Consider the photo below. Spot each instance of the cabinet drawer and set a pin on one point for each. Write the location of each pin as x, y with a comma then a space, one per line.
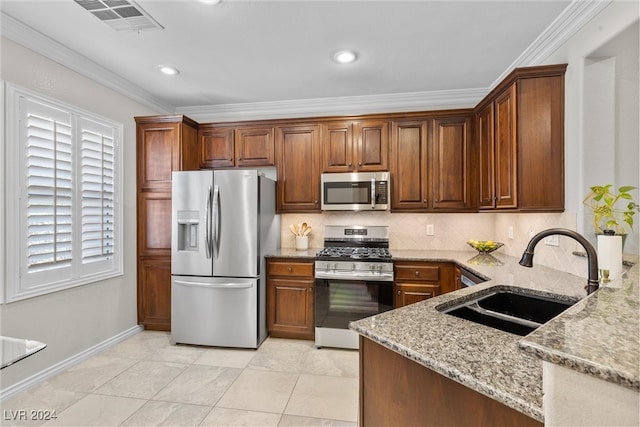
284, 268
418, 272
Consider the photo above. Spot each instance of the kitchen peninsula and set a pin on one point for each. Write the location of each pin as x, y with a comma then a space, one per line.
443, 370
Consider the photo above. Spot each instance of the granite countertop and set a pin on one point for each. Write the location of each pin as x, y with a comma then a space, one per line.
504, 366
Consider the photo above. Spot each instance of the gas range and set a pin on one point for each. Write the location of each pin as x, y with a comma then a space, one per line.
348, 253
355, 253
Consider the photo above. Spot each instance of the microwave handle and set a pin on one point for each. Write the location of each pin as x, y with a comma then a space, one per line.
373, 193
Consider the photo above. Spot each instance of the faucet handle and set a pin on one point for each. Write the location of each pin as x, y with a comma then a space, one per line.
604, 272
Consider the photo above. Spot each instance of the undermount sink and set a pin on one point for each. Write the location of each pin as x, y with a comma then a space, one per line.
509, 310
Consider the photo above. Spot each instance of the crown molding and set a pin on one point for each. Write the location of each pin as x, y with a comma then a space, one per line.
575, 16
337, 106
26, 36
572, 19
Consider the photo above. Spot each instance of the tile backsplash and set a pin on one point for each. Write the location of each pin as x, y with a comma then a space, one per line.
451, 232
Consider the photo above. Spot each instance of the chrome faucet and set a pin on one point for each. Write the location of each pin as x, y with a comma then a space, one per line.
592, 257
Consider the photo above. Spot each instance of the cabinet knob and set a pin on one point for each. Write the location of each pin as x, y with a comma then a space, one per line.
315, 201
417, 273
350, 164
359, 163
399, 292
424, 200
289, 269
310, 289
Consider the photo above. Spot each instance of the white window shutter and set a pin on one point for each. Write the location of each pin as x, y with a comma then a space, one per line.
63, 196
49, 192
97, 191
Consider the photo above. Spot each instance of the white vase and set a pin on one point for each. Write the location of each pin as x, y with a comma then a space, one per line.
302, 243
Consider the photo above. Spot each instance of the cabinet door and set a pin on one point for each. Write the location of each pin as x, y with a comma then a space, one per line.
254, 147
291, 308
372, 145
505, 146
154, 224
298, 151
216, 148
337, 142
158, 154
451, 167
154, 293
409, 293
541, 144
484, 129
409, 179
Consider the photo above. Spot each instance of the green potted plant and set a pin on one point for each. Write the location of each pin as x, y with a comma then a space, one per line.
612, 210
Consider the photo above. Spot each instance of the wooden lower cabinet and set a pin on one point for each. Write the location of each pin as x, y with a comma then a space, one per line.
416, 281
396, 391
290, 299
154, 293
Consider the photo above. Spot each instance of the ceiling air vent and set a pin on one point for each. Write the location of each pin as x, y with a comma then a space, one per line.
121, 15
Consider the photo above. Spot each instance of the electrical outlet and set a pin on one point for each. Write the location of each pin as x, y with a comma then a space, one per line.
430, 230
510, 232
552, 240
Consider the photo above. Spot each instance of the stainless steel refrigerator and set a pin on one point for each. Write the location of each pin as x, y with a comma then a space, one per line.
223, 223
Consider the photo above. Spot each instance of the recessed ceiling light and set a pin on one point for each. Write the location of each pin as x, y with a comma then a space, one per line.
168, 70
211, 2
344, 56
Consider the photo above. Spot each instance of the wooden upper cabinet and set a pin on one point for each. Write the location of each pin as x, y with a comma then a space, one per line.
409, 178
372, 145
433, 165
541, 143
216, 148
255, 147
505, 147
164, 144
225, 147
299, 163
497, 146
520, 128
355, 146
484, 129
337, 142
453, 167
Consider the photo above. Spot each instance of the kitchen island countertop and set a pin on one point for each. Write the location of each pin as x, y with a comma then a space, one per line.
504, 366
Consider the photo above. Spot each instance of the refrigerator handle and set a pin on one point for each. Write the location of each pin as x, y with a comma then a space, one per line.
207, 225
216, 225
236, 285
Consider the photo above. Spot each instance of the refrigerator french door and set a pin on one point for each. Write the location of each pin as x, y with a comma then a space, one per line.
222, 224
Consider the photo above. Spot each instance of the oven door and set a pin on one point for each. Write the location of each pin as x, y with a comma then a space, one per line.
340, 301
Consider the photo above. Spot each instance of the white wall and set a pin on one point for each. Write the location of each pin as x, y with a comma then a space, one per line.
601, 128
74, 320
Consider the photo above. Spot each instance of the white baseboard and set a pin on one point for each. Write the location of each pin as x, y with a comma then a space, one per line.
53, 370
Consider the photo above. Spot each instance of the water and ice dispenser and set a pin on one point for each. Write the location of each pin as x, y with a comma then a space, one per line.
188, 229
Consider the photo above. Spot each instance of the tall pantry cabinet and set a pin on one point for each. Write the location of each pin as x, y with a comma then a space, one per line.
164, 144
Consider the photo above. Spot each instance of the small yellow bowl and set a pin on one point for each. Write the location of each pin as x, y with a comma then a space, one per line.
485, 246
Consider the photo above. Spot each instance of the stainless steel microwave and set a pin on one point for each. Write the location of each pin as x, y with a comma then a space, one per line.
357, 191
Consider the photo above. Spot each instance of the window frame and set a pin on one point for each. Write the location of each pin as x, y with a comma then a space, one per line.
19, 284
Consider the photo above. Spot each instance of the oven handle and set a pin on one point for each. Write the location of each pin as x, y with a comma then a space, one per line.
339, 276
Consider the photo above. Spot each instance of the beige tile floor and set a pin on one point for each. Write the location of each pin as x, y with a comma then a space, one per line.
146, 381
